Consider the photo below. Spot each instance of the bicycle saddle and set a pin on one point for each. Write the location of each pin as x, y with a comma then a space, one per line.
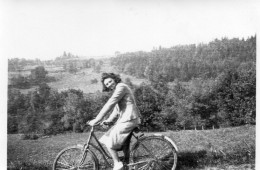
136, 130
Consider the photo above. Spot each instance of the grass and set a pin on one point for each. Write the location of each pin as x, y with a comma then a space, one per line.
220, 148
229, 146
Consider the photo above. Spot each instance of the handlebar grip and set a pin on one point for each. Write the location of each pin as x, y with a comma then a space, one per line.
87, 123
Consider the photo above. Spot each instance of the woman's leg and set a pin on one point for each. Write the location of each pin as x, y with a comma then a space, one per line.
118, 165
113, 154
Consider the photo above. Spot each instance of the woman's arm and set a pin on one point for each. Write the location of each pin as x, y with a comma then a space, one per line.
113, 115
113, 100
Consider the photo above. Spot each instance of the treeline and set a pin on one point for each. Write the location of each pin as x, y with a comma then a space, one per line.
228, 100
186, 62
37, 76
47, 111
70, 63
16, 64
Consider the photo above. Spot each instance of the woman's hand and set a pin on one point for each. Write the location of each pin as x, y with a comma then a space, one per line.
92, 122
106, 123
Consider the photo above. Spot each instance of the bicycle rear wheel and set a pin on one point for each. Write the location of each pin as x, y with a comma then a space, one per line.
74, 158
154, 153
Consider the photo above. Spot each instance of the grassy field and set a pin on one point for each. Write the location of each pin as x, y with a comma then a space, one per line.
229, 148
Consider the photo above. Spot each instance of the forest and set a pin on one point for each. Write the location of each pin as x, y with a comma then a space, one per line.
201, 86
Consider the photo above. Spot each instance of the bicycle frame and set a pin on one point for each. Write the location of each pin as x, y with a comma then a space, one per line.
99, 148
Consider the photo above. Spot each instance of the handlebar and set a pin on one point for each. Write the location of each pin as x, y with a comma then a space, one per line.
108, 123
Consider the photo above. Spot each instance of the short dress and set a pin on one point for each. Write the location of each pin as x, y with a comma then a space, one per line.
123, 103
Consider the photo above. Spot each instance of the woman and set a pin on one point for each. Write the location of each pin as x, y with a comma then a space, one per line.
122, 105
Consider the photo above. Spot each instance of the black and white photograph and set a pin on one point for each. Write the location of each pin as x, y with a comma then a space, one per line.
129, 85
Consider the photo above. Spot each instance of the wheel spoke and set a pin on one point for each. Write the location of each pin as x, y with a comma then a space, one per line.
86, 165
149, 152
66, 165
158, 152
142, 168
163, 165
74, 158
61, 169
149, 166
66, 162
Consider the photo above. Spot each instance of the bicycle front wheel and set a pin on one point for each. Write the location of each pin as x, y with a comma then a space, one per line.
75, 158
154, 153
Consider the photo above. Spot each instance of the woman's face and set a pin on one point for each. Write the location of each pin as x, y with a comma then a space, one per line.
110, 83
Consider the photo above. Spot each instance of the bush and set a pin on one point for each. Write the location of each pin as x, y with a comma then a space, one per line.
77, 127
12, 125
30, 136
21, 82
94, 81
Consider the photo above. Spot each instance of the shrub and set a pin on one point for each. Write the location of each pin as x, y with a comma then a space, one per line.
30, 136
94, 81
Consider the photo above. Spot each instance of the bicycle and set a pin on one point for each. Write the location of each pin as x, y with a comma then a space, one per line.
155, 152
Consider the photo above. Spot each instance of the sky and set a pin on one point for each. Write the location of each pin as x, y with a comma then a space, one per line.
44, 29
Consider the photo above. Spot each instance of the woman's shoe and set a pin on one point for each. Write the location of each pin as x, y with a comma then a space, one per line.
118, 166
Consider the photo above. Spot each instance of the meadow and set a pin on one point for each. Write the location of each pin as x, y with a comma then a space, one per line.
226, 148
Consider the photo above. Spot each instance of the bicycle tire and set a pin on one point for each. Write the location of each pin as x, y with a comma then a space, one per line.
74, 158
154, 153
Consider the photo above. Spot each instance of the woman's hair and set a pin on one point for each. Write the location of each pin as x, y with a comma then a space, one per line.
104, 76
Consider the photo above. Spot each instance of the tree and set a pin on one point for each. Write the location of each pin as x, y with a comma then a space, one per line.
149, 103
129, 82
75, 108
39, 74
72, 67
160, 84
236, 95
65, 66
177, 107
94, 81
64, 54
13, 64
97, 68
21, 82
16, 107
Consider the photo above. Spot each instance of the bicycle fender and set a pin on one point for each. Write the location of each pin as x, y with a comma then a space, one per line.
168, 139
79, 145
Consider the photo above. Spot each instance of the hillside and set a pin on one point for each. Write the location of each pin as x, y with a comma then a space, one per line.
82, 80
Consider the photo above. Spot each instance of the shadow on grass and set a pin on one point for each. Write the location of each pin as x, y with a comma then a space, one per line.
200, 159
29, 166
191, 159
186, 160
